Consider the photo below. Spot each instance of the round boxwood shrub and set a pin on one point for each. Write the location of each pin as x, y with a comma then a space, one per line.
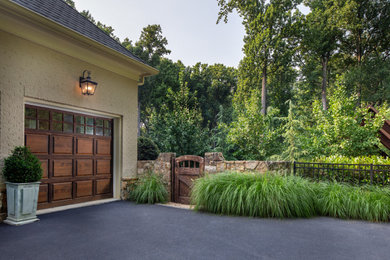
147, 149
22, 166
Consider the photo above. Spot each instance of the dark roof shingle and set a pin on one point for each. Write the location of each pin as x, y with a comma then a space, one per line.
63, 14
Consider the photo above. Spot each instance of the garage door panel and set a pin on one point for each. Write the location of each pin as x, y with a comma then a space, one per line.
62, 144
43, 193
62, 191
38, 144
103, 167
76, 166
84, 188
45, 168
62, 168
103, 186
84, 146
103, 147
84, 167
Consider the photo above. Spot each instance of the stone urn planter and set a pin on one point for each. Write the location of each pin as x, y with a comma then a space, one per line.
22, 201
22, 171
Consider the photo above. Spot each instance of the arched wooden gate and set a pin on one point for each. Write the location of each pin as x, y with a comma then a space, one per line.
187, 169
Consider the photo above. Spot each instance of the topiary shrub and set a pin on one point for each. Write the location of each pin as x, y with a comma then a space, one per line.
149, 189
147, 149
22, 166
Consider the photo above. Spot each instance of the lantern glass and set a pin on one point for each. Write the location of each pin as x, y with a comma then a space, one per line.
87, 86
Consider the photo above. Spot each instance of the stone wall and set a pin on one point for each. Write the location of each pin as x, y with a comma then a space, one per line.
215, 162
162, 165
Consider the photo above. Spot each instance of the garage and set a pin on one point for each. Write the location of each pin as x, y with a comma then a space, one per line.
75, 150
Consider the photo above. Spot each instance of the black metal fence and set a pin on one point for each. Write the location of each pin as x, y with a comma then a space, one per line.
357, 174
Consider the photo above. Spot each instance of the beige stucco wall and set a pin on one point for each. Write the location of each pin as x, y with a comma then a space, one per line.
29, 71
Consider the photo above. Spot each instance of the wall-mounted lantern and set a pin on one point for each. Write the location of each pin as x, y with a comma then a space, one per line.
87, 86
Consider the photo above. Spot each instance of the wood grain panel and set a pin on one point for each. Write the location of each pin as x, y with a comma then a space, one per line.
45, 168
39, 144
43, 193
62, 168
62, 191
103, 147
84, 188
63, 145
84, 167
84, 146
103, 186
103, 167
76, 167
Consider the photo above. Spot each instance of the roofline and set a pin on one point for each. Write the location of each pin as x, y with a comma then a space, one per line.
144, 69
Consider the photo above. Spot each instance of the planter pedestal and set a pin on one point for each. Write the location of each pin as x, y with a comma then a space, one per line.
22, 201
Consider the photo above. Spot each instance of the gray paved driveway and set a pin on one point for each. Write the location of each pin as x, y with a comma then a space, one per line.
123, 230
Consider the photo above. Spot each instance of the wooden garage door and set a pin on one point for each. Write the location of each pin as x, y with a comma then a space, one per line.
76, 155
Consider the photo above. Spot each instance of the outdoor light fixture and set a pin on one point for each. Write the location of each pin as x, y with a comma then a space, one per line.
87, 86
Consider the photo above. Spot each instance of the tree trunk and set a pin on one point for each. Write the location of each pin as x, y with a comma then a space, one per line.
264, 91
359, 54
324, 61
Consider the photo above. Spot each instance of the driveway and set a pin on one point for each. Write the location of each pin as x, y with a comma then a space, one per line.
123, 230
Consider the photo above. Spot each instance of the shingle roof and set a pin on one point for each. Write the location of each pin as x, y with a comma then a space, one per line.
63, 14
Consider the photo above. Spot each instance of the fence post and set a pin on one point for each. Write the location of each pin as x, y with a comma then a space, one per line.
371, 174
294, 168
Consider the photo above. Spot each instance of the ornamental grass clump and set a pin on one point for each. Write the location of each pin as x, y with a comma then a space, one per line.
255, 195
150, 188
345, 201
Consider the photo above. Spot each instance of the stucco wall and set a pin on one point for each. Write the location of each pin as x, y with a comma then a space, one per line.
30, 71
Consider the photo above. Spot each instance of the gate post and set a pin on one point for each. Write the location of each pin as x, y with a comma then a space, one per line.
173, 159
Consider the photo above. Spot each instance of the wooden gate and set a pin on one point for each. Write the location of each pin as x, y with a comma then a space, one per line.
187, 169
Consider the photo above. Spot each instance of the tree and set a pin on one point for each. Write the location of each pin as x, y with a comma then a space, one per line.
179, 129
70, 3
320, 39
254, 135
105, 28
151, 45
366, 29
269, 41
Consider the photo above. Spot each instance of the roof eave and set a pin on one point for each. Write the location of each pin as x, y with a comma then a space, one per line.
144, 69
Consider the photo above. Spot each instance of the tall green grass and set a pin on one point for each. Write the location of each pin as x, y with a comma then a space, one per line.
350, 202
276, 196
149, 189
254, 195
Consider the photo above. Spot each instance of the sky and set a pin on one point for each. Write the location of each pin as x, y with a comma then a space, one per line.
189, 26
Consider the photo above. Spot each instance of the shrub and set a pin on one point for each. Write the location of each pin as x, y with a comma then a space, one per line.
22, 166
254, 195
358, 175
149, 189
353, 160
147, 149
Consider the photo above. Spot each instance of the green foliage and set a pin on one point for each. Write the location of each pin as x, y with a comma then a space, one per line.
248, 194
105, 28
339, 130
353, 160
270, 39
147, 149
70, 3
22, 166
270, 195
344, 201
256, 136
179, 128
149, 189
